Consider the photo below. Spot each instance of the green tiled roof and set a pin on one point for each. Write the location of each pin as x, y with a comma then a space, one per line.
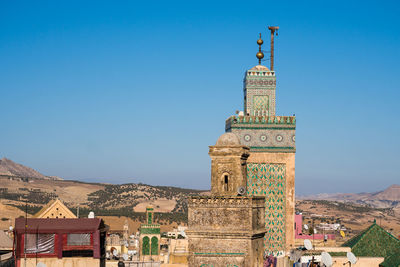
376, 242
393, 260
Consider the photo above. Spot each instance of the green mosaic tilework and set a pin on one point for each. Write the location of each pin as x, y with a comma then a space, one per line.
260, 102
146, 245
154, 245
269, 180
149, 230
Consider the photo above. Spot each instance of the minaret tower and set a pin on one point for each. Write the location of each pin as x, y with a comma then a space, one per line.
259, 88
271, 162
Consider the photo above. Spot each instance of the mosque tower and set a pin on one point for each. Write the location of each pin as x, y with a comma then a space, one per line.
270, 166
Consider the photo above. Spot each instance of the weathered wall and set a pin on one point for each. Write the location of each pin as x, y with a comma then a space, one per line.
226, 230
64, 262
229, 161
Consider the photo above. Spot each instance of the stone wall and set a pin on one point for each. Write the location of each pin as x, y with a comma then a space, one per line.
226, 231
228, 162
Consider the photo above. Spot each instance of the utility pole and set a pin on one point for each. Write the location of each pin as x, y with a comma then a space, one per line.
26, 226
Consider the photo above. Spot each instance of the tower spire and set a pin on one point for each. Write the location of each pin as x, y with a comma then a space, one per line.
259, 54
273, 29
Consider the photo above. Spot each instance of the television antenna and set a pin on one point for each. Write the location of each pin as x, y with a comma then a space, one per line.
326, 259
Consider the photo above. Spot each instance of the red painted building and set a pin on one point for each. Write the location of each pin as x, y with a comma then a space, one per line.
58, 241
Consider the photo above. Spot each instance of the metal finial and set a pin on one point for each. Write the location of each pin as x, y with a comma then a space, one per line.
260, 54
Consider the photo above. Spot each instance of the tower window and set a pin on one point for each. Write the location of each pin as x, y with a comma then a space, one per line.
226, 178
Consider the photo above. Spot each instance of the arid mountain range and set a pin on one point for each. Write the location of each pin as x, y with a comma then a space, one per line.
10, 168
388, 198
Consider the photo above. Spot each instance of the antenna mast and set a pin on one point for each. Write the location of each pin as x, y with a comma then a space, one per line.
273, 29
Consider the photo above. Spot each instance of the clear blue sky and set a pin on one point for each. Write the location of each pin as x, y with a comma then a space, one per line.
136, 91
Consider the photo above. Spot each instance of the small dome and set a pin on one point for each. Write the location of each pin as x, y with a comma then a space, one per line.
259, 67
228, 139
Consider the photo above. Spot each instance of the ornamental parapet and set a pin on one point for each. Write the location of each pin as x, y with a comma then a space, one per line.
150, 229
224, 215
154, 225
260, 121
222, 201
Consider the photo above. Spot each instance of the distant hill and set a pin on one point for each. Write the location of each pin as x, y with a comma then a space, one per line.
10, 168
20, 185
388, 198
391, 193
103, 199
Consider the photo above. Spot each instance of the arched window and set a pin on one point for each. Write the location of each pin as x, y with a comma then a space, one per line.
226, 182
154, 245
146, 245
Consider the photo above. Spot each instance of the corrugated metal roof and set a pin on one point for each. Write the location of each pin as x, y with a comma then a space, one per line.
36, 225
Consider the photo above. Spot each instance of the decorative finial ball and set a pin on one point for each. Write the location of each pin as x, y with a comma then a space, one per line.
260, 55
260, 41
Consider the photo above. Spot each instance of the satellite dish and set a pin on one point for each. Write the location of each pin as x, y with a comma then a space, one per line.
91, 215
315, 231
183, 233
342, 233
241, 190
40, 264
351, 257
115, 252
11, 228
307, 244
326, 259
125, 257
306, 226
